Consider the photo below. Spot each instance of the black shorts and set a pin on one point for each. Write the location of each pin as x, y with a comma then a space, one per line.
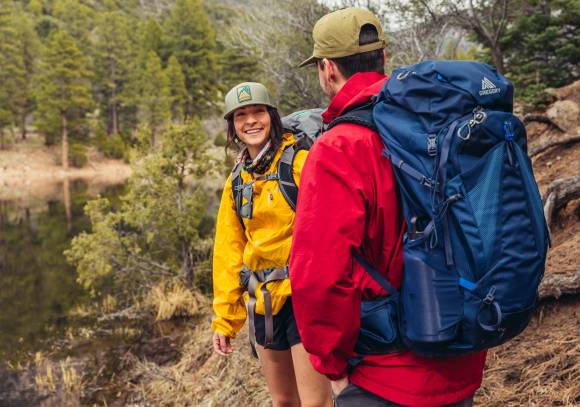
285, 330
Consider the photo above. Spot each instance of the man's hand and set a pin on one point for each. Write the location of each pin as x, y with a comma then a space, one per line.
339, 385
221, 344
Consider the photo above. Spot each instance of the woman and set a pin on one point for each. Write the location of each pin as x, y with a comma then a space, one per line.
252, 246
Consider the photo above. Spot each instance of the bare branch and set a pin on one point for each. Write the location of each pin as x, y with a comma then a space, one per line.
567, 139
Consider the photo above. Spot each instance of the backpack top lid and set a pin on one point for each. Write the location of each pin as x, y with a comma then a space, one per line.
440, 92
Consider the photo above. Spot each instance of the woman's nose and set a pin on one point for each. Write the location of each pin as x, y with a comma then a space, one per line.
250, 119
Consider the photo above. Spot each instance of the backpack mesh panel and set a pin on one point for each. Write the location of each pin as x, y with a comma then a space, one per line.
484, 198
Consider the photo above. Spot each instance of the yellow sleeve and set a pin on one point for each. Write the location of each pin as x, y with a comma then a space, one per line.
298, 165
230, 240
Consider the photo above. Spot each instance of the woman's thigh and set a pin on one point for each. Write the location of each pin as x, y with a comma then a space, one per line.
313, 387
278, 370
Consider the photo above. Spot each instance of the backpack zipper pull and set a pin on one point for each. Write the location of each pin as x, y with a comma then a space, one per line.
509, 138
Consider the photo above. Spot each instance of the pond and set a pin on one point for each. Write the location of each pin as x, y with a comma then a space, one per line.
37, 285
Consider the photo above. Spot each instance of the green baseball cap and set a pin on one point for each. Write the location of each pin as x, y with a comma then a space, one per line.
247, 93
336, 34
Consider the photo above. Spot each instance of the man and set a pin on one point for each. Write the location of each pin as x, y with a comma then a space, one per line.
348, 203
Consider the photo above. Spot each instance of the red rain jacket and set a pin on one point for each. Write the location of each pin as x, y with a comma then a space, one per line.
348, 201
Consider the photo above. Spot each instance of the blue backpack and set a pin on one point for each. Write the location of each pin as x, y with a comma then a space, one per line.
476, 241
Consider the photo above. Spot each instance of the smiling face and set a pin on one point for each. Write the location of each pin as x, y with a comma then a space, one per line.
252, 124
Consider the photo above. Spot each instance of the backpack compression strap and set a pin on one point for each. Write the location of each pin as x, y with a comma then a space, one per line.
237, 184
286, 181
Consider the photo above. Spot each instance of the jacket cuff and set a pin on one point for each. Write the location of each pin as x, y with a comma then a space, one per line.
221, 327
325, 369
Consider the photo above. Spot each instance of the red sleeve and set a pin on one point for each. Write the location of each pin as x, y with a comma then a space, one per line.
330, 222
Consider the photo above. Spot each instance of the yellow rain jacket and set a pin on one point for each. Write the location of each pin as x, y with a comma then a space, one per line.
264, 243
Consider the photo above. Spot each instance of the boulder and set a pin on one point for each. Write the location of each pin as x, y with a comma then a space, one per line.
565, 114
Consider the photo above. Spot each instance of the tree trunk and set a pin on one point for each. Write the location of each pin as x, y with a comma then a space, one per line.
2, 141
186, 265
67, 203
64, 143
23, 126
559, 193
497, 55
114, 113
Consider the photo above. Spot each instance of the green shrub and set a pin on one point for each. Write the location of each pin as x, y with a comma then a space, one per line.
112, 146
220, 140
77, 155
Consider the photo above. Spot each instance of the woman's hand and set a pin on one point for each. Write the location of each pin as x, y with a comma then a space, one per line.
221, 344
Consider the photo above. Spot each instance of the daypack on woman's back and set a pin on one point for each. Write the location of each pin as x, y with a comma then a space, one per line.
476, 245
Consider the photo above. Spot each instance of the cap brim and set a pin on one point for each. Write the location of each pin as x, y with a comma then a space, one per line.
309, 61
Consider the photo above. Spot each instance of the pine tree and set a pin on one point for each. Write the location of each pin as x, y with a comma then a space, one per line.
154, 101
177, 90
11, 67
63, 86
115, 60
77, 20
543, 48
28, 48
191, 38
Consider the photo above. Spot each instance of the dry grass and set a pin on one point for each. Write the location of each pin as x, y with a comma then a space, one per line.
539, 368
173, 299
58, 381
202, 378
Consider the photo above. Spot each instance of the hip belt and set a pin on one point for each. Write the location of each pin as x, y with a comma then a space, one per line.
250, 279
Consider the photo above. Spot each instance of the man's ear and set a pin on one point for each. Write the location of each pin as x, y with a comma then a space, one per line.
329, 70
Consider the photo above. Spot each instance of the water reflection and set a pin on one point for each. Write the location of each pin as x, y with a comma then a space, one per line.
37, 286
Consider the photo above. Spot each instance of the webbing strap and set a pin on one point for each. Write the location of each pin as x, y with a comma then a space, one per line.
442, 173
286, 182
406, 168
251, 280
382, 281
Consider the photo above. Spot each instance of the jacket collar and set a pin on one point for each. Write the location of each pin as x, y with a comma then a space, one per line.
358, 89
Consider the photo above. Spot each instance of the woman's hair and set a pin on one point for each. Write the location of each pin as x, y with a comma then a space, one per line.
276, 130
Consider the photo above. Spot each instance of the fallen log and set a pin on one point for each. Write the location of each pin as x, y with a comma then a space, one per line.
567, 139
541, 118
559, 193
554, 285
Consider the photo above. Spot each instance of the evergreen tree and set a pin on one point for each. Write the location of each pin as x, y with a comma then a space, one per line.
177, 90
11, 67
28, 48
151, 38
154, 100
77, 20
191, 38
543, 48
114, 63
63, 86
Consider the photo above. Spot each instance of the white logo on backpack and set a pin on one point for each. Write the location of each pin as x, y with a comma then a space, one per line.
488, 87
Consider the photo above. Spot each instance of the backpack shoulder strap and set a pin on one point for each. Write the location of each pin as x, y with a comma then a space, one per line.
361, 115
286, 181
237, 183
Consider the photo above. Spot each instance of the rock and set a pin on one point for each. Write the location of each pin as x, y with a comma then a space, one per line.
565, 114
570, 92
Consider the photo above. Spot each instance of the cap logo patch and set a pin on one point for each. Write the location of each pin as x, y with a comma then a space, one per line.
244, 93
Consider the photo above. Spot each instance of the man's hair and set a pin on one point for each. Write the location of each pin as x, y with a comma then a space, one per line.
372, 61
276, 131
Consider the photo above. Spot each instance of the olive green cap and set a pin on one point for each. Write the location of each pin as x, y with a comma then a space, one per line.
246, 93
336, 34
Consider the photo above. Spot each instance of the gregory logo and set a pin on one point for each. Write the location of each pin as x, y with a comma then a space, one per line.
244, 93
488, 87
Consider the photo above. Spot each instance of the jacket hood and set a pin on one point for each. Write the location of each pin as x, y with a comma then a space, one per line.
358, 89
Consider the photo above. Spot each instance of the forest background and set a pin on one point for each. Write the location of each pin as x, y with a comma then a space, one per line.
143, 81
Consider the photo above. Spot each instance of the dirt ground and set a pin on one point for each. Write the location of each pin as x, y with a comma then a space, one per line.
28, 170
